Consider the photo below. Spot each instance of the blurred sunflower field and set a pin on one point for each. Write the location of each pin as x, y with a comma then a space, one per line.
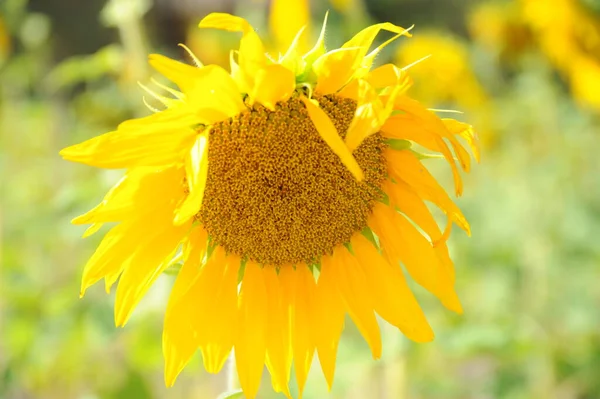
525, 73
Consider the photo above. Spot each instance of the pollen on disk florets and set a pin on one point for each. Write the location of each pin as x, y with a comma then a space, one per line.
275, 192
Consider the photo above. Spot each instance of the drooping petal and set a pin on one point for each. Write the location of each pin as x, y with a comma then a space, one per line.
151, 141
402, 241
409, 203
329, 315
196, 171
279, 348
222, 317
179, 332
404, 166
393, 299
350, 282
465, 131
299, 285
194, 249
329, 134
426, 122
202, 311
250, 342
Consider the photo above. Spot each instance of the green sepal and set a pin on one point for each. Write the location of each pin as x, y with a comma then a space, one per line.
421, 155
398, 144
173, 270
315, 266
241, 270
348, 246
369, 235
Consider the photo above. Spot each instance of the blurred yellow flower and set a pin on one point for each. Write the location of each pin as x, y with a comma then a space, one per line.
569, 35
500, 26
286, 19
271, 178
447, 75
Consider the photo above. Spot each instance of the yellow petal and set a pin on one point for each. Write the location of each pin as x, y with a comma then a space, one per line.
366, 120
350, 281
404, 166
92, 229
405, 127
207, 88
221, 319
394, 300
194, 250
146, 263
401, 240
372, 112
279, 353
251, 53
426, 122
335, 68
273, 83
367, 62
300, 285
286, 18
329, 316
179, 337
329, 134
196, 170
466, 132
183, 75
202, 312
365, 37
148, 142
364, 124
250, 343
388, 75
130, 195
409, 203
108, 257
218, 92
363, 41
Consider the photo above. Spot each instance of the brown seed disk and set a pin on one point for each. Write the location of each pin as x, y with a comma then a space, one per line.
276, 194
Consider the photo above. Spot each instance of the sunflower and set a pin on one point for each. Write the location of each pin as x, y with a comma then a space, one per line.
289, 191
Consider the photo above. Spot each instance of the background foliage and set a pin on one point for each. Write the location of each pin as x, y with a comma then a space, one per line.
525, 72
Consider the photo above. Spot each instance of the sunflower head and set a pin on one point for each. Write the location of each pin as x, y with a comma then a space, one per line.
289, 190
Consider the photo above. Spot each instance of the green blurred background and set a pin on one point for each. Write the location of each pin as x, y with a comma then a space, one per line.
526, 73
